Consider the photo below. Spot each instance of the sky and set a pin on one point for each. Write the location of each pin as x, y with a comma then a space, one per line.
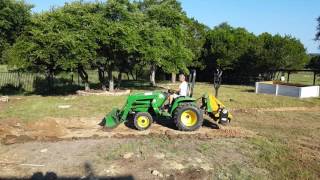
286, 17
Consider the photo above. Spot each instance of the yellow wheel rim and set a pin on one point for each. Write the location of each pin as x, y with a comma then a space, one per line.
189, 118
143, 121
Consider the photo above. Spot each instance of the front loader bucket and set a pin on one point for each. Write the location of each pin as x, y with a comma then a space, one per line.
112, 119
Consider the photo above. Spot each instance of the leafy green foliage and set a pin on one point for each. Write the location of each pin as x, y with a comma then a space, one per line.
314, 63
14, 16
166, 43
318, 30
225, 45
242, 54
124, 36
281, 52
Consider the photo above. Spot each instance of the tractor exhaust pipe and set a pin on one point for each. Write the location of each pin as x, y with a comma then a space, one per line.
192, 81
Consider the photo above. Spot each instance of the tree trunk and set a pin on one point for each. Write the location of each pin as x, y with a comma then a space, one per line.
102, 78
50, 79
72, 78
131, 73
173, 77
136, 75
119, 78
84, 77
153, 75
111, 82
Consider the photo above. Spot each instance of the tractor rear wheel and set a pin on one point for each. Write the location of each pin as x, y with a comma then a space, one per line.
142, 121
188, 117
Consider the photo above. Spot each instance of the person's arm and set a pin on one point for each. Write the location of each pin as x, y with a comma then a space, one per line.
179, 89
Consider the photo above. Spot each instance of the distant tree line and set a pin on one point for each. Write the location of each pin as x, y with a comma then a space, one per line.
315, 59
133, 37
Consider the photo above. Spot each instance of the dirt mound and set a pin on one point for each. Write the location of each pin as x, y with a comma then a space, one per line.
48, 128
14, 131
10, 127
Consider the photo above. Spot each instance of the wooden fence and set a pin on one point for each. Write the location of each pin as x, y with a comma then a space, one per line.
20, 80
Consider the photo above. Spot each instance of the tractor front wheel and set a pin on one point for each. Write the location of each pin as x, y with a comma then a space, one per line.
142, 121
188, 118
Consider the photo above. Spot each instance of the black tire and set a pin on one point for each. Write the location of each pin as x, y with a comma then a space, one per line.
143, 124
189, 109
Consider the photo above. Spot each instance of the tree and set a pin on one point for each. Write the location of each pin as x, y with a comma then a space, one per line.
195, 41
224, 47
78, 22
169, 23
314, 63
14, 17
318, 31
57, 40
118, 44
280, 52
38, 49
243, 56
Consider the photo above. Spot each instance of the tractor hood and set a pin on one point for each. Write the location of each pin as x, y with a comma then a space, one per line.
147, 95
154, 93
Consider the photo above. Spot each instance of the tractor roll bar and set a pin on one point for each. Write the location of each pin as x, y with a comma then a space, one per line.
192, 81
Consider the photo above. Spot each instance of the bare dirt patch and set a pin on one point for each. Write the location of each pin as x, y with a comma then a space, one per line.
102, 158
13, 131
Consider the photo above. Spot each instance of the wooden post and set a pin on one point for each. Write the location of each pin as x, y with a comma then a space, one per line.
288, 79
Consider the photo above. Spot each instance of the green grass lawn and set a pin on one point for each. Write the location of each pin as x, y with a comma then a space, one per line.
305, 78
39, 107
287, 143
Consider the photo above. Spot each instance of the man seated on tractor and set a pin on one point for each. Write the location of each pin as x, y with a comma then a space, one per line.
182, 91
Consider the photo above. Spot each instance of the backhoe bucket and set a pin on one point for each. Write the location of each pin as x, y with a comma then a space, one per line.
112, 119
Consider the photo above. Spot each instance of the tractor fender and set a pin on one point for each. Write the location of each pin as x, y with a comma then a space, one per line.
179, 101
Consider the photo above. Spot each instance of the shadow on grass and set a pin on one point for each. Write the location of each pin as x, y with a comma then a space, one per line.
89, 174
10, 89
169, 123
249, 90
210, 124
166, 122
64, 87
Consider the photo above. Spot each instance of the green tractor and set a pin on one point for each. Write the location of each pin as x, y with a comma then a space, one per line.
142, 108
